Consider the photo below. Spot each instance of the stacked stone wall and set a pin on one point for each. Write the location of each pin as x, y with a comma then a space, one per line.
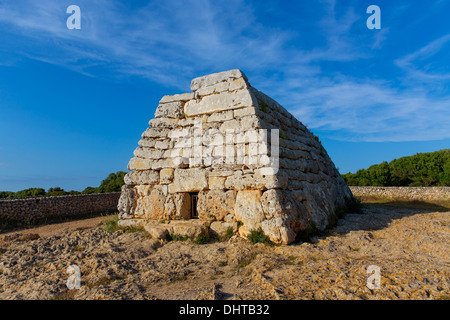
40, 209
403, 193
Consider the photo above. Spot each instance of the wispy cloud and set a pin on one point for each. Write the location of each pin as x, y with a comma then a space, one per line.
170, 42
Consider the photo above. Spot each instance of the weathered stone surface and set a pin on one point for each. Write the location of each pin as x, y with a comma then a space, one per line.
170, 110
148, 177
131, 223
255, 181
189, 229
212, 79
177, 97
285, 215
215, 204
140, 164
166, 175
127, 202
249, 211
157, 230
151, 206
189, 180
219, 102
178, 206
220, 228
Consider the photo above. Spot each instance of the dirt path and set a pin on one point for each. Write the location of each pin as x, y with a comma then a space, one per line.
58, 228
410, 248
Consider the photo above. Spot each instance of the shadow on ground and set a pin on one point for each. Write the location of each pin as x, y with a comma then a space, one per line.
376, 216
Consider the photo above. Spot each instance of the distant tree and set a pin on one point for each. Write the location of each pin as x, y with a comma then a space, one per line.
56, 191
31, 192
89, 190
422, 169
113, 183
6, 194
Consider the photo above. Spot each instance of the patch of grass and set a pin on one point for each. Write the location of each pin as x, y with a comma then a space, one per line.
223, 263
179, 278
202, 239
174, 237
305, 235
66, 295
245, 262
133, 229
111, 225
240, 224
290, 260
78, 249
258, 236
229, 233
353, 204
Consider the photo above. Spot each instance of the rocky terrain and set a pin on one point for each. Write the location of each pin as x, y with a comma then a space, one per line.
411, 248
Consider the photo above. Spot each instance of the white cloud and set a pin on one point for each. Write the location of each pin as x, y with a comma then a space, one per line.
171, 41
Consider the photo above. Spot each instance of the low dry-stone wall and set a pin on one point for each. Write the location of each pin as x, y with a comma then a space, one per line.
404, 193
33, 210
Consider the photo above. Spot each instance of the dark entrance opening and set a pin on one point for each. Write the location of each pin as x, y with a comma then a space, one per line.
194, 200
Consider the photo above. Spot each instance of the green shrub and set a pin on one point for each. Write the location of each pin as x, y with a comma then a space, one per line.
202, 239
258, 236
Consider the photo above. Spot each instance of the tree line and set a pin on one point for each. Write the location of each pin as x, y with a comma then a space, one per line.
421, 169
112, 183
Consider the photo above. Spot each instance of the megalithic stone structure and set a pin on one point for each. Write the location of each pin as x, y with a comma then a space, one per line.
228, 156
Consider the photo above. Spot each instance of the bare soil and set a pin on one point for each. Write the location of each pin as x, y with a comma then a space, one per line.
409, 245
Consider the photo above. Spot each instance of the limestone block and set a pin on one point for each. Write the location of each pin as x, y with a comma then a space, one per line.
255, 181
140, 164
212, 79
178, 206
251, 122
237, 84
220, 228
278, 231
219, 102
170, 110
166, 175
281, 203
147, 177
148, 153
189, 180
155, 133
215, 204
187, 229
163, 123
127, 202
163, 144
177, 97
249, 211
147, 143
151, 206
157, 230
221, 116
226, 126
215, 182
131, 223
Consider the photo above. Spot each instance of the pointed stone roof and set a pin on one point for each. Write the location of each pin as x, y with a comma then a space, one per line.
244, 160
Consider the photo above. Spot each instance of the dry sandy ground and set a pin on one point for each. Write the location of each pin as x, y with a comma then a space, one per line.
410, 247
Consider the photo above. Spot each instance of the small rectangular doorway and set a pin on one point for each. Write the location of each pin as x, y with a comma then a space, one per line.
194, 200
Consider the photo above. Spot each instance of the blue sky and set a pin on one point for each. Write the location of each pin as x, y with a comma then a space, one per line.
73, 103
